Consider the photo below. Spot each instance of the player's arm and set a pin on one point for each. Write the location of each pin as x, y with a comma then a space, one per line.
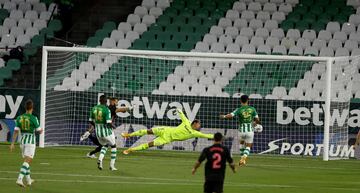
198, 162
203, 135
123, 109
230, 160
108, 119
257, 123
15, 134
357, 142
230, 115
38, 129
182, 115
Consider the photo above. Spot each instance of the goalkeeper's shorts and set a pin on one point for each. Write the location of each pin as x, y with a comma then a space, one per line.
163, 136
108, 140
248, 137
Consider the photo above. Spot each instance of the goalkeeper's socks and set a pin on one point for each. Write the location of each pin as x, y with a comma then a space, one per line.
113, 157
23, 170
140, 147
247, 151
141, 132
102, 153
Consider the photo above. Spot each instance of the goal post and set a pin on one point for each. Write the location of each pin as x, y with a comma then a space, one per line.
73, 78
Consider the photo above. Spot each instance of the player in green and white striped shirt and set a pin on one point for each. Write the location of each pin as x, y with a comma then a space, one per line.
27, 124
248, 122
100, 119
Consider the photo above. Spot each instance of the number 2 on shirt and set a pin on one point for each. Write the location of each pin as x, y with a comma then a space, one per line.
217, 159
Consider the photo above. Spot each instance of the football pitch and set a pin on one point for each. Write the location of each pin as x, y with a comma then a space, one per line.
66, 169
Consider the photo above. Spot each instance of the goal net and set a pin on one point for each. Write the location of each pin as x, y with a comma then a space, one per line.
288, 92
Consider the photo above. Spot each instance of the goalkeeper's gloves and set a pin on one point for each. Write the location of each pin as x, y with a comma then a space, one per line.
178, 111
85, 136
258, 128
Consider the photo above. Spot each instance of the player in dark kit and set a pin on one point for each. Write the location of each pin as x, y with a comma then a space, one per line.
216, 156
90, 132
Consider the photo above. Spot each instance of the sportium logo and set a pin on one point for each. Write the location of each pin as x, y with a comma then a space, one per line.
304, 116
308, 149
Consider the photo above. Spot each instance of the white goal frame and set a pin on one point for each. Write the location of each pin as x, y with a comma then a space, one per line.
328, 60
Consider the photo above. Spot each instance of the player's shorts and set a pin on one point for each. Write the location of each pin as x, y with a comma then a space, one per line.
162, 136
108, 140
248, 137
28, 150
213, 186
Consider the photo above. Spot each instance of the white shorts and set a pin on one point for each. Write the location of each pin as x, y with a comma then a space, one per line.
28, 150
248, 137
109, 140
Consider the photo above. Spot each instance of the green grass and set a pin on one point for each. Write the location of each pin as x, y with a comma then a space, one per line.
65, 169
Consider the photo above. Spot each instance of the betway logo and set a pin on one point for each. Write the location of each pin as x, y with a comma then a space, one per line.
8, 100
304, 116
309, 149
158, 110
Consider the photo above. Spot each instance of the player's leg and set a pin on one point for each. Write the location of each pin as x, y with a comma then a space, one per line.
103, 142
97, 149
208, 187
112, 143
248, 144
157, 142
139, 133
28, 152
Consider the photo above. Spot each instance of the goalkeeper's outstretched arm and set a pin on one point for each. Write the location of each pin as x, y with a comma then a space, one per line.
182, 115
203, 135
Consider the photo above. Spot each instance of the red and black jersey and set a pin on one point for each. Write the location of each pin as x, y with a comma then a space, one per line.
216, 156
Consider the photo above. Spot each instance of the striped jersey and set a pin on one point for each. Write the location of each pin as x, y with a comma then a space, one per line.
101, 116
27, 124
246, 115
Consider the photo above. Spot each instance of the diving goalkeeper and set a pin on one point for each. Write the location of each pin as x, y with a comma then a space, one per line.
165, 135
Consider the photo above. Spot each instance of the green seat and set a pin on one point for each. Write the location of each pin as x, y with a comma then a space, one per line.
163, 36
179, 37
155, 45
202, 13
309, 18
5, 72
307, 2
302, 26
286, 25
140, 44
38, 40
1, 82
348, 10
301, 9
224, 5
195, 21
325, 18
171, 12
3, 14
179, 20
186, 46
148, 35
56, 25
217, 14
156, 28
101, 34
316, 10
331, 10
201, 29
209, 5
209, 22
172, 28
109, 25
193, 5
13, 64
163, 20
194, 37
341, 18
29, 50
187, 13
293, 17
171, 45
48, 33
91, 42
318, 26
187, 29
178, 4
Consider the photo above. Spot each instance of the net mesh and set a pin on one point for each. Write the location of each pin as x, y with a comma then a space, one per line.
288, 96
